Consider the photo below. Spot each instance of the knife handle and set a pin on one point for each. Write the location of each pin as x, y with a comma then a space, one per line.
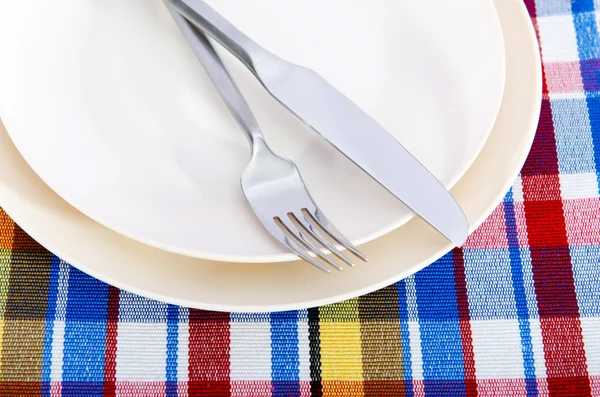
203, 16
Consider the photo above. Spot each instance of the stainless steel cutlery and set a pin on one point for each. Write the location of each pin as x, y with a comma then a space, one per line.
278, 193
272, 185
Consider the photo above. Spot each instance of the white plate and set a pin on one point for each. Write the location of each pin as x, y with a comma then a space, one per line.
109, 106
270, 287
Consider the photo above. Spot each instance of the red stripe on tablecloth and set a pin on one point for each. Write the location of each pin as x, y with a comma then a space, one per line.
582, 220
551, 263
257, 388
208, 354
110, 355
464, 316
530, 4
501, 387
145, 389
491, 234
564, 77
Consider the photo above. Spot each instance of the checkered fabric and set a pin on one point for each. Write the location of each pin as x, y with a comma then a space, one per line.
516, 311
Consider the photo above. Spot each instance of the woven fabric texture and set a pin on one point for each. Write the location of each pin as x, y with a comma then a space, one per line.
516, 311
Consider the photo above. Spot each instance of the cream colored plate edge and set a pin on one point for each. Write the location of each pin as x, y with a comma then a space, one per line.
221, 286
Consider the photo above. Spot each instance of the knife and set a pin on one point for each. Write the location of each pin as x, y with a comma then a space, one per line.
339, 121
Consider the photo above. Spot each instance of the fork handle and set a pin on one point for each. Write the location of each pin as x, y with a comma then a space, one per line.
204, 17
219, 76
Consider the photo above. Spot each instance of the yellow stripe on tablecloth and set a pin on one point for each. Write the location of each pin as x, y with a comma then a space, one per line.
341, 350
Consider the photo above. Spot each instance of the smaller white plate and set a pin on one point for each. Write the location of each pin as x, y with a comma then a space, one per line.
109, 106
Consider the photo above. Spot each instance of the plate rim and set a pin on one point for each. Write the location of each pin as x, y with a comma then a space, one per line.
529, 133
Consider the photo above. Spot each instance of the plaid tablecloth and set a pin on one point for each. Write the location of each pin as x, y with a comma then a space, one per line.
514, 312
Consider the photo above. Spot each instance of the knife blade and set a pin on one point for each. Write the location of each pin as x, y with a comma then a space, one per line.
339, 121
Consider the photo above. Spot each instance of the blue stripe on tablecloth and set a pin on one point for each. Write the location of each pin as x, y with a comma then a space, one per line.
590, 76
50, 317
172, 343
588, 46
489, 284
519, 295
134, 308
578, 6
547, 8
85, 336
528, 284
594, 120
404, 333
284, 354
441, 342
588, 42
574, 146
586, 273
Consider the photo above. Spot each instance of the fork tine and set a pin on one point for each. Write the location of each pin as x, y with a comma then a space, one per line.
305, 244
316, 236
303, 256
324, 224
316, 249
308, 258
292, 242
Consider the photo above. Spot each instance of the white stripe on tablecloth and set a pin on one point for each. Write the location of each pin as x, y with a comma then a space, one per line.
497, 349
416, 356
141, 352
250, 347
590, 327
58, 328
538, 347
579, 186
303, 346
136, 362
558, 38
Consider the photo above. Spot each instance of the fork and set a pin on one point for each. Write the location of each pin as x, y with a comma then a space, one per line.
272, 184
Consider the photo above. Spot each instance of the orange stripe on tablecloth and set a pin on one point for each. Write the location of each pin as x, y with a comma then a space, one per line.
25, 313
383, 368
20, 388
7, 231
343, 388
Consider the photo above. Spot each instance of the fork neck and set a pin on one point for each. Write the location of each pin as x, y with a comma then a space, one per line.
220, 78
258, 145
199, 13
